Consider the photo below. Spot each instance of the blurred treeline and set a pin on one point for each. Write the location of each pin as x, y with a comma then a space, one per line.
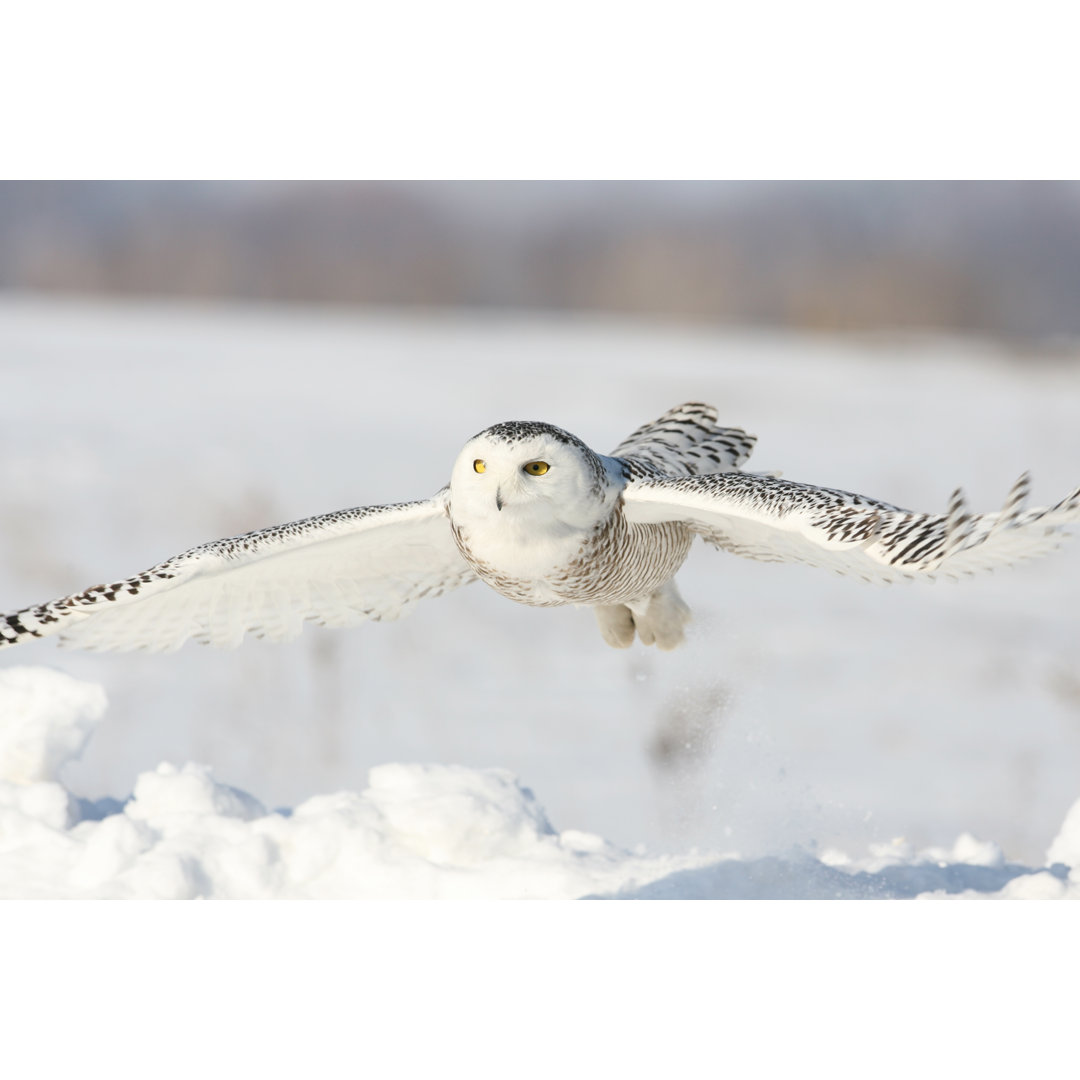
996, 259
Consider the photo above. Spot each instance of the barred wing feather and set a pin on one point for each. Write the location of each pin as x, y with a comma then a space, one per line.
774, 520
686, 440
340, 569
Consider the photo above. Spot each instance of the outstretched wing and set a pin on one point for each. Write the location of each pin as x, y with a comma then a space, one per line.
775, 520
685, 441
340, 569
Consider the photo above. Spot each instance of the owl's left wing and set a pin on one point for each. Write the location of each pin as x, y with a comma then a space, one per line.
774, 520
685, 441
340, 569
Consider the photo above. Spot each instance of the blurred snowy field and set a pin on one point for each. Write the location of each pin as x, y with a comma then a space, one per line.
807, 713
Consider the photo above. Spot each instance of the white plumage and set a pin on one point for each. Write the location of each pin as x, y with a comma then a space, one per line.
544, 520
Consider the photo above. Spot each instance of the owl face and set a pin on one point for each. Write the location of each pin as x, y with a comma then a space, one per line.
526, 474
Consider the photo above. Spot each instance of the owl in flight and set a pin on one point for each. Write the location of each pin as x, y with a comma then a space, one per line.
543, 520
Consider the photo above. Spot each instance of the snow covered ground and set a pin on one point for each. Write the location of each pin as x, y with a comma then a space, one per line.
815, 738
415, 832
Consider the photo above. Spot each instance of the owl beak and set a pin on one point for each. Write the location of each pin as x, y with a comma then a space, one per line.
498, 499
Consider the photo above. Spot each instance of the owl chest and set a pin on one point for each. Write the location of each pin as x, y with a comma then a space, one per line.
610, 563
522, 564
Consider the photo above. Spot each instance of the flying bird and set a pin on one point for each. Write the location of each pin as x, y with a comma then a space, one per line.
533, 512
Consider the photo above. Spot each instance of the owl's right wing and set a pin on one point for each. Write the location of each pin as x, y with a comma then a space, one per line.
340, 569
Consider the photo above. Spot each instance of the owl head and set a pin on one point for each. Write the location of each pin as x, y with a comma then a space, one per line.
528, 472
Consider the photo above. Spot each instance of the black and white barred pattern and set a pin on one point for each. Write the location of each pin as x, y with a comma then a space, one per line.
774, 520
685, 441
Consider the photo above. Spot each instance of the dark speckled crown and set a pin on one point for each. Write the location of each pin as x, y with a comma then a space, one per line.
513, 431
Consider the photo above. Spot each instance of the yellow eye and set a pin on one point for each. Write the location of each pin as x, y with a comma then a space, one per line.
478, 465
536, 468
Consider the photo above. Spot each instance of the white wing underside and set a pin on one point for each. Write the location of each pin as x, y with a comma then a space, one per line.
337, 569
775, 520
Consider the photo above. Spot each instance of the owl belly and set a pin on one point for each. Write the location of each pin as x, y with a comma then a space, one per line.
613, 563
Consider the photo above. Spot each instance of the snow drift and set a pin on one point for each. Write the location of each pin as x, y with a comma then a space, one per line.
417, 831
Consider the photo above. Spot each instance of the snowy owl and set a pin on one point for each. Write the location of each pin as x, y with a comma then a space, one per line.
543, 520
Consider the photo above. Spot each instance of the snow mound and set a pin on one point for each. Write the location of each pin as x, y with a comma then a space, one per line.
417, 831
46, 719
